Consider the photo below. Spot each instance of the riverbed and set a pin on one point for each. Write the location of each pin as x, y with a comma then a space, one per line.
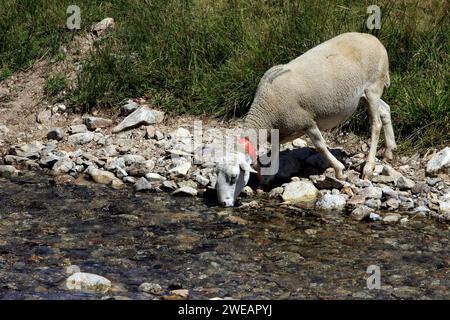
273, 252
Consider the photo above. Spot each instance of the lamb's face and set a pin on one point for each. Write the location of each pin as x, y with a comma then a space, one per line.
232, 177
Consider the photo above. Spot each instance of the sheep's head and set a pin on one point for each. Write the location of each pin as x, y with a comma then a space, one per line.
233, 173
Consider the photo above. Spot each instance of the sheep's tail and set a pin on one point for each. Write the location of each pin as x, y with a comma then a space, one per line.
387, 80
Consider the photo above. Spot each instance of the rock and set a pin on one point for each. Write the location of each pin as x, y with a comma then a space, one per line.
185, 191
182, 169
247, 191
4, 93
169, 185
101, 28
372, 192
152, 288
433, 181
392, 218
159, 135
180, 133
389, 192
62, 166
299, 143
93, 123
181, 293
393, 203
8, 171
150, 132
391, 172
357, 199
55, 134
329, 202
300, 192
420, 187
128, 108
374, 216
81, 138
373, 203
142, 116
3, 130
81, 281
77, 128
276, 192
420, 209
404, 183
143, 185
44, 117
69, 270
154, 177
139, 169
440, 162
201, 180
444, 204
30, 150
102, 176
328, 183
361, 212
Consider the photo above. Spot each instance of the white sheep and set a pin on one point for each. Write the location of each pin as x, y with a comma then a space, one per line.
317, 91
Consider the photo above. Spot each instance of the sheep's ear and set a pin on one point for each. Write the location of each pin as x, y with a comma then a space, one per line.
246, 167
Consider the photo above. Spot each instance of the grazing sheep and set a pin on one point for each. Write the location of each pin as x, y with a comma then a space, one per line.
318, 91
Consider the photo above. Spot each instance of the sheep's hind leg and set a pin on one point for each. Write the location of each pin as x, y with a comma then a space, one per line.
373, 99
319, 142
389, 137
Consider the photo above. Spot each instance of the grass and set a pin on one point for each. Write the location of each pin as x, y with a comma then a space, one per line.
206, 57
55, 85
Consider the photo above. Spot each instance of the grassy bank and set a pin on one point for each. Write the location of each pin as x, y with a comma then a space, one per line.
206, 57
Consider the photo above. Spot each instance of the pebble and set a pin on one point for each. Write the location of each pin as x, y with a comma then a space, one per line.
329, 202
185, 191
152, 288
392, 218
300, 192
81, 281
55, 134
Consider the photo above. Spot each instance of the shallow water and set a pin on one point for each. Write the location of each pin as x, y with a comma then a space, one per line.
276, 252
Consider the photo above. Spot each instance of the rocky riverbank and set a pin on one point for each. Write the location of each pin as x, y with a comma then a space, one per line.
146, 150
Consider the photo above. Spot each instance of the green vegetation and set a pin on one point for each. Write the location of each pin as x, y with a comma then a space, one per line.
54, 85
207, 56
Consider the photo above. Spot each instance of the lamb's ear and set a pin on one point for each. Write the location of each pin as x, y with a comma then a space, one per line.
246, 167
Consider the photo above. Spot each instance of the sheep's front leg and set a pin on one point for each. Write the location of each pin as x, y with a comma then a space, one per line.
389, 137
373, 100
319, 142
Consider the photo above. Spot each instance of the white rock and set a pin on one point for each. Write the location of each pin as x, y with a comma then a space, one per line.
142, 116
69, 270
201, 179
404, 183
152, 288
440, 162
154, 177
330, 202
444, 204
392, 218
77, 128
180, 133
128, 108
55, 134
81, 281
62, 166
185, 191
93, 123
102, 27
299, 143
182, 169
361, 212
8, 171
372, 192
81, 138
300, 191
3, 130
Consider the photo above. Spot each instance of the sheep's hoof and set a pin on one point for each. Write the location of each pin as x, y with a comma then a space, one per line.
341, 176
388, 155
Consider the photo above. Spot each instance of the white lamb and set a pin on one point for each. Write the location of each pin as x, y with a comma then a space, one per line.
317, 91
